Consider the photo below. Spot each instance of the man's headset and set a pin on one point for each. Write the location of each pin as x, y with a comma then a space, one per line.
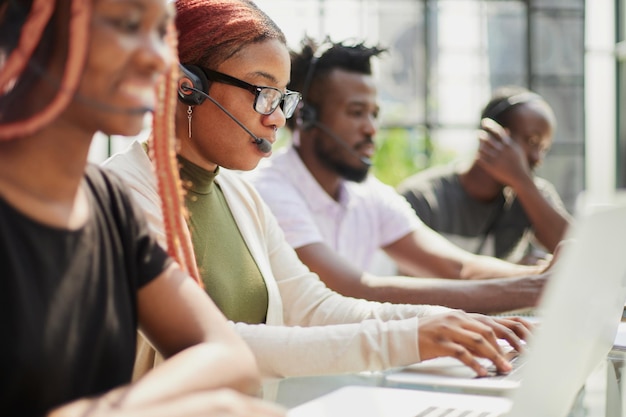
307, 114
307, 117
506, 103
193, 87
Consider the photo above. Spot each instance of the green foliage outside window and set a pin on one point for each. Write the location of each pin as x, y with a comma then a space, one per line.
400, 152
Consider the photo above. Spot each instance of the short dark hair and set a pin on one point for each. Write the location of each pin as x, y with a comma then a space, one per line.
314, 61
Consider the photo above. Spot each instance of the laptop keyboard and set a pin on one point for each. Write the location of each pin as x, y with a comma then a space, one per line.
516, 361
453, 412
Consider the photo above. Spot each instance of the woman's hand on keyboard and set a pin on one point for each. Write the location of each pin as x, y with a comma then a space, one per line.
468, 337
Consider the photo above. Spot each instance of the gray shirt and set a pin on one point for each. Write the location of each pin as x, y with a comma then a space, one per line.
497, 228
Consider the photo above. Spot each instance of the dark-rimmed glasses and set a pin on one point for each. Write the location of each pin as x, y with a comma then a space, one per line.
266, 99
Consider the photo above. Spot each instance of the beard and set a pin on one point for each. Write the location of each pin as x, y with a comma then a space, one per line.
332, 160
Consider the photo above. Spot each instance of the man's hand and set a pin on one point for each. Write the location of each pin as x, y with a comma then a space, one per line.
500, 155
467, 337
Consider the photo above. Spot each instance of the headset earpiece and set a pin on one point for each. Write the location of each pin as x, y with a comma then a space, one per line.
307, 116
192, 76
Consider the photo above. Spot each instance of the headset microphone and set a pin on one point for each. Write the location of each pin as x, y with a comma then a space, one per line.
41, 71
365, 160
263, 144
191, 91
112, 109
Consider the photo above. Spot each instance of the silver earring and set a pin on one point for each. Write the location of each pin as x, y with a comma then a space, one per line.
189, 114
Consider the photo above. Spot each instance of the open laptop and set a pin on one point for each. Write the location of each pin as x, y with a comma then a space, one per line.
580, 310
575, 313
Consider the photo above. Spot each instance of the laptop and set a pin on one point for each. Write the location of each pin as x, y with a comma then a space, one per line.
590, 273
580, 310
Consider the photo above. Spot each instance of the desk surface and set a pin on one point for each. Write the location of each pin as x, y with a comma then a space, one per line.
601, 397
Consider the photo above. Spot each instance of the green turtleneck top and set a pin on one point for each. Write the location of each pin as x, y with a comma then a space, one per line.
228, 270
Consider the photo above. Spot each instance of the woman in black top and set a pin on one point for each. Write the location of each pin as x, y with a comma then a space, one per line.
79, 270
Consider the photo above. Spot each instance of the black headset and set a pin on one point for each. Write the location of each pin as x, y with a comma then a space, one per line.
307, 113
511, 101
192, 76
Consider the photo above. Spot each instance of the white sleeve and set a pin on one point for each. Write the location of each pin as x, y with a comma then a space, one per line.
324, 331
283, 351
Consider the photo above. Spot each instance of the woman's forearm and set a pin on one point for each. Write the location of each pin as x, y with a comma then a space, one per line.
202, 369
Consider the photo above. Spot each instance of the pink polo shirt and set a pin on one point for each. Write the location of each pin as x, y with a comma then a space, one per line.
368, 216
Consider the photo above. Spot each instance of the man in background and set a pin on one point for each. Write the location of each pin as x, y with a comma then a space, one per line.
496, 206
337, 216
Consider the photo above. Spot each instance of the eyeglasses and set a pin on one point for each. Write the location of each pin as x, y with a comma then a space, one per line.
266, 99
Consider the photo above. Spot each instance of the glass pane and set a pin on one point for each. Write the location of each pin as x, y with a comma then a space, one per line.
566, 173
295, 18
621, 122
559, 4
403, 69
567, 103
507, 42
621, 100
461, 101
558, 44
450, 144
461, 74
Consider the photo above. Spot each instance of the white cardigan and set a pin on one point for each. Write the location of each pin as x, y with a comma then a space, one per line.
310, 329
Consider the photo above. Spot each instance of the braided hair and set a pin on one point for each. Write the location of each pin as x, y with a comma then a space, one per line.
212, 31
315, 61
31, 32
29, 37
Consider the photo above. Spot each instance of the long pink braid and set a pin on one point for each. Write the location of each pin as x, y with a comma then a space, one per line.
162, 148
38, 18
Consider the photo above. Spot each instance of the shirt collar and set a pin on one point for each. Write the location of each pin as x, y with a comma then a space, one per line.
195, 178
317, 196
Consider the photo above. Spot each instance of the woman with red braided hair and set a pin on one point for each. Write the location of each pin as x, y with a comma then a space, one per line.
232, 99
78, 268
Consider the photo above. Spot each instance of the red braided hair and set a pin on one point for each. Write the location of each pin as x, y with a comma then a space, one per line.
32, 31
211, 31
162, 148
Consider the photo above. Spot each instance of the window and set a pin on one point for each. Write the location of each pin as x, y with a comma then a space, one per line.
445, 58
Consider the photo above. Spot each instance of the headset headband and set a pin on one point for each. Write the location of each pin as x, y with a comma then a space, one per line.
511, 101
319, 52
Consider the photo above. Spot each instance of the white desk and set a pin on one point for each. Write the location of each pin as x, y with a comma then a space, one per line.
601, 396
